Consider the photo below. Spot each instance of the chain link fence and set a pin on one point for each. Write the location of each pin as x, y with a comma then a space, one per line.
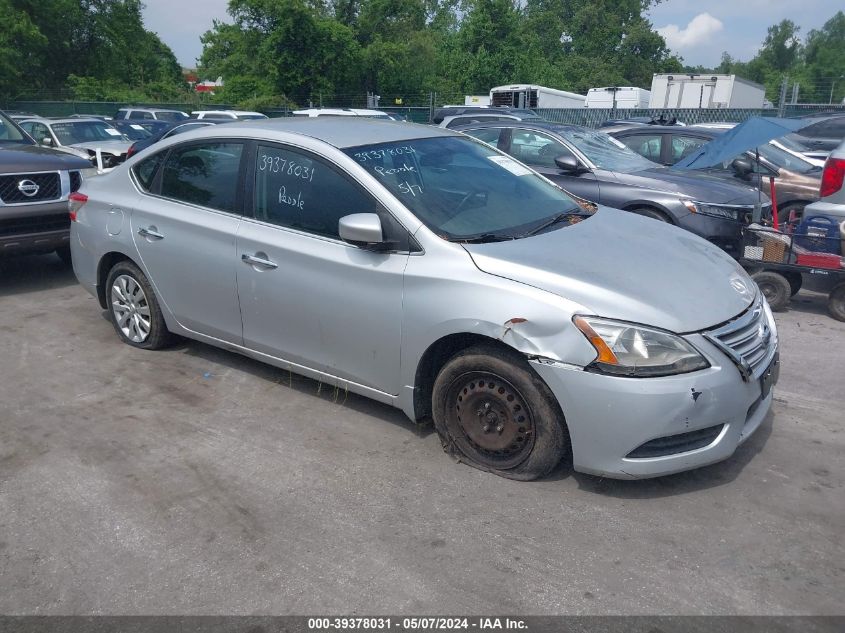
419, 108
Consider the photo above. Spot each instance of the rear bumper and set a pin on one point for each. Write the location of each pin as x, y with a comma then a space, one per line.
609, 417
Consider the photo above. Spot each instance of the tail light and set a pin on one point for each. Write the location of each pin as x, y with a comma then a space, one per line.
75, 202
131, 151
832, 176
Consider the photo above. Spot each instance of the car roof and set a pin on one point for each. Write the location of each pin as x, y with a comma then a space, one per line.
341, 132
537, 125
148, 109
668, 129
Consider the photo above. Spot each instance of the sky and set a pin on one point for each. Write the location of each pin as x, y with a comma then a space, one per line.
697, 30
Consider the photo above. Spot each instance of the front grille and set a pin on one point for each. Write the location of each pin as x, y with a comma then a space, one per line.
674, 444
749, 340
37, 224
49, 187
75, 180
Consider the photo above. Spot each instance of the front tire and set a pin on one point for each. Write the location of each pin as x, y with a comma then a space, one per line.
64, 254
493, 412
654, 214
133, 308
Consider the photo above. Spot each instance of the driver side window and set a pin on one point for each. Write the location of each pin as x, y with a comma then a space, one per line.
537, 149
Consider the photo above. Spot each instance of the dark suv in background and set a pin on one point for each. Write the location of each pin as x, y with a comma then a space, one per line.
35, 183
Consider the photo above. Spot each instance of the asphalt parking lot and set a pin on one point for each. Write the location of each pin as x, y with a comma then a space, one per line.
195, 481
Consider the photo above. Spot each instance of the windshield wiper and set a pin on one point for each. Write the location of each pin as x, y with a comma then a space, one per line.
484, 238
555, 219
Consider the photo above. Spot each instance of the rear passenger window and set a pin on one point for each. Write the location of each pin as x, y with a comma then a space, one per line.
145, 171
297, 191
135, 114
489, 135
204, 174
647, 145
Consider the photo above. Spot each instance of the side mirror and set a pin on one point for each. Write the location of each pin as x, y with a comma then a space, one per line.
47, 141
568, 163
361, 229
742, 166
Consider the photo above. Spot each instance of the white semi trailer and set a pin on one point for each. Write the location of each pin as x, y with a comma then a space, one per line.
705, 91
532, 96
620, 97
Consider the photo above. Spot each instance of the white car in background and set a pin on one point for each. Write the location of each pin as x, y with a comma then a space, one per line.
229, 115
363, 112
103, 144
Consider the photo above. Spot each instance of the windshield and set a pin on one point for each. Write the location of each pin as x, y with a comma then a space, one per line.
250, 117
167, 115
784, 159
133, 131
463, 189
9, 133
604, 151
71, 132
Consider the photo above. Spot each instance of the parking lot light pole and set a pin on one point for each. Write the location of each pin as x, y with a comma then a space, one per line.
832, 86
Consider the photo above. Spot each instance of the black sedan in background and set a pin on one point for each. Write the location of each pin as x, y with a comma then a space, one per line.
172, 129
797, 181
594, 166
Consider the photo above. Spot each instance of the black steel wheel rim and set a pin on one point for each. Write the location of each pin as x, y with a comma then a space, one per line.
489, 420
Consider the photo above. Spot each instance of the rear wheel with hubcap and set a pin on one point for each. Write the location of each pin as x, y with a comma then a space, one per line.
493, 412
134, 309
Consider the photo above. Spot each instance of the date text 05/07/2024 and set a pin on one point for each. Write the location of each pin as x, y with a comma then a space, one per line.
415, 624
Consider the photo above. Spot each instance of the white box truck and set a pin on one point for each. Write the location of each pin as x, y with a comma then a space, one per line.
627, 97
532, 96
476, 100
705, 91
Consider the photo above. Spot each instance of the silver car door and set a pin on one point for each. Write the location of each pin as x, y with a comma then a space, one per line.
305, 295
186, 235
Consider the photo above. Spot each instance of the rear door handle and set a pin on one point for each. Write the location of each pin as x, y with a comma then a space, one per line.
150, 232
259, 259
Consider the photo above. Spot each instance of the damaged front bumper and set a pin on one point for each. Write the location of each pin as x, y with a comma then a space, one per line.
631, 428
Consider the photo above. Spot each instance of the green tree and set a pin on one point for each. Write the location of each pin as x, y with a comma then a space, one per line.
22, 47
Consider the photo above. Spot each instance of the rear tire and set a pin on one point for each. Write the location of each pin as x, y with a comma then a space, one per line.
795, 281
774, 287
493, 412
836, 302
134, 309
654, 214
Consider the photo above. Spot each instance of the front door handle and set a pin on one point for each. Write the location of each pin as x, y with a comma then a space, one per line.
259, 259
150, 232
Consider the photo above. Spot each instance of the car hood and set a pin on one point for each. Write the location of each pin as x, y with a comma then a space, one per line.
112, 147
695, 184
17, 158
623, 266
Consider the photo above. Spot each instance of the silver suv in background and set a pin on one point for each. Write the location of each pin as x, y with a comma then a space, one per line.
158, 114
429, 271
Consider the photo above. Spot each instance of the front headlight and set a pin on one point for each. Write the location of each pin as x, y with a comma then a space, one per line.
713, 210
87, 173
633, 350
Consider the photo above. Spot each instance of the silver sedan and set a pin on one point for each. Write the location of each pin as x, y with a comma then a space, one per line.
429, 271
